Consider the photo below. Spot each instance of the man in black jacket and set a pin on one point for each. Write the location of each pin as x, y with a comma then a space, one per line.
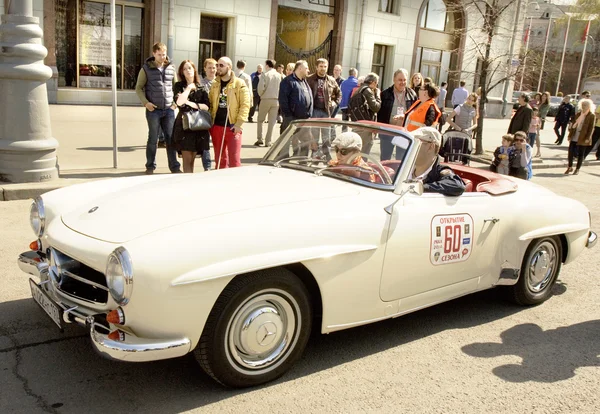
522, 118
565, 114
395, 100
296, 102
435, 177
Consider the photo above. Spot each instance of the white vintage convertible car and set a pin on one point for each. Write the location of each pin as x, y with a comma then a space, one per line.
237, 266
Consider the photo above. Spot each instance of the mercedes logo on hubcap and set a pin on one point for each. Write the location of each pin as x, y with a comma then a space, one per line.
266, 334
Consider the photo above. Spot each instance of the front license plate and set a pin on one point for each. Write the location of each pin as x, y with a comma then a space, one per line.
52, 309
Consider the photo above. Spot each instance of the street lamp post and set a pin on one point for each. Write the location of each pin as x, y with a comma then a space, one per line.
525, 56
582, 58
562, 59
510, 57
27, 148
544, 55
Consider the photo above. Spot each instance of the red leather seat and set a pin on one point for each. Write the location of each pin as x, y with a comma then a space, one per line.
468, 185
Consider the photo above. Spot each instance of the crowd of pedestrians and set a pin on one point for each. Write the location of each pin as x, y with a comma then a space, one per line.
283, 93
582, 124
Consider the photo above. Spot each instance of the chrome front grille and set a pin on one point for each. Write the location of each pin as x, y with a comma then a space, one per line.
76, 279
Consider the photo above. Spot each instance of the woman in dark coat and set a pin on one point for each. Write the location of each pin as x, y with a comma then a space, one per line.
580, 134
189, 95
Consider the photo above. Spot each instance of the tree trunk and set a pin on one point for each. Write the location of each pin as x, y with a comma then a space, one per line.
489, 26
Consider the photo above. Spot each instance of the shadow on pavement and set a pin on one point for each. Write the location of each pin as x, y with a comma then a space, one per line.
120, 149
68, 372
548, 356
100, 173
551, 174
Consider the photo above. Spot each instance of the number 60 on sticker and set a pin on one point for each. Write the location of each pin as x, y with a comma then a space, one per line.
451, 238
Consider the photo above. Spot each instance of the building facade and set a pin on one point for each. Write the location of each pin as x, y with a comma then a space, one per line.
554, 29
427, 36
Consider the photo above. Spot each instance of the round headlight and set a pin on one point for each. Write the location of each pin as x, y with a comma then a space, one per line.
119, 275
37, 216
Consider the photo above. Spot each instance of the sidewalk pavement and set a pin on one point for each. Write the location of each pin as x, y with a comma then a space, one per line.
85, 153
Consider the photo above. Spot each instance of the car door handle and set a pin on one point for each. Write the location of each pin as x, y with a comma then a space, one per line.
493, 220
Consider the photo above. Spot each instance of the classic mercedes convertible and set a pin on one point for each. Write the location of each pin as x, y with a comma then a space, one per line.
237, 266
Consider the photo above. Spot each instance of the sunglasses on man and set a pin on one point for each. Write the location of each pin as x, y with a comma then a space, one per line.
344, 151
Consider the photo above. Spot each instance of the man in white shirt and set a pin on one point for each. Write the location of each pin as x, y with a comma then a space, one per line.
459, 95
268, 90
441, 99
241, 66
435, 177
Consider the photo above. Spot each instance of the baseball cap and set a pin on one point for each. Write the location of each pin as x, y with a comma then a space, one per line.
428, 134
348, 140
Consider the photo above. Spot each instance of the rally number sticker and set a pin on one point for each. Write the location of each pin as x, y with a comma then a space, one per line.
451, 238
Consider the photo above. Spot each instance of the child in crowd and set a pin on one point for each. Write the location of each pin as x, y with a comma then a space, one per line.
503, 155
534, 127
520, 165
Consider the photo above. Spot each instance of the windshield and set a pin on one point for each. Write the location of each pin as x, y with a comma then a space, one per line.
556, 100
311, 146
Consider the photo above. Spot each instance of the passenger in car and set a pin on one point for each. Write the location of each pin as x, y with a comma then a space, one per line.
347, 147
435, 177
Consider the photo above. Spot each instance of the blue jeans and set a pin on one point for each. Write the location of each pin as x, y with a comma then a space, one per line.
160, 120
325, 134
387, 148
206, 160
532, 136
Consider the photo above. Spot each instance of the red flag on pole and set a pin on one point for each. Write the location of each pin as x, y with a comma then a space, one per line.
586, 31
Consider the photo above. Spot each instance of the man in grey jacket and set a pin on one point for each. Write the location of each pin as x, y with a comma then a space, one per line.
268, 90
154, 88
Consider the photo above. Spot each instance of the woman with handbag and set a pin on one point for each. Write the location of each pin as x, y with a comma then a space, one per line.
191, 129
580, 134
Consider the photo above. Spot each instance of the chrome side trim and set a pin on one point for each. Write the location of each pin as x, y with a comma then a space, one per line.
592, 239
508, 277
83, 280
135, 349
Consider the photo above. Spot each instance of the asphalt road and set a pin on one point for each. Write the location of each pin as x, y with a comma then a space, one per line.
472, 355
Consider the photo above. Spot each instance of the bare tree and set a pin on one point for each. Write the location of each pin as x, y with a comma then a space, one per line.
491, 25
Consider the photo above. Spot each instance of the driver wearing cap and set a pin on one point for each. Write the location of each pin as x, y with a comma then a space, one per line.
435, 177
348, 146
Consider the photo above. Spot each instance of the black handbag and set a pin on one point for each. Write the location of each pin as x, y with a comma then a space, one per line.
197, 120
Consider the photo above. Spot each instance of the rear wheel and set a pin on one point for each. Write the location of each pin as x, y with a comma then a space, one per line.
257, 329
539, 271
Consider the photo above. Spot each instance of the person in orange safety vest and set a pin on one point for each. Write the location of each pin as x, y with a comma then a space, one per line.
424, 112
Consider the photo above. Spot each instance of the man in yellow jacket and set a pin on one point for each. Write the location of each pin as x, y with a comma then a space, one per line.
229, 105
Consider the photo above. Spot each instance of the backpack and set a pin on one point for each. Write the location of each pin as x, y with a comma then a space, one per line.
358, 107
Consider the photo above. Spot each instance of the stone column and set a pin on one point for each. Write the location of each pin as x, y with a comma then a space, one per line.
27, 148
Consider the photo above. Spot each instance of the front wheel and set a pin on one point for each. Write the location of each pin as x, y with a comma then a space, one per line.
539, 271
257, 329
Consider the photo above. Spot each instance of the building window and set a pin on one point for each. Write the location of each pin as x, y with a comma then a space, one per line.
434, 16
387, 6
213, 39
434, 64
83, 53
380, 53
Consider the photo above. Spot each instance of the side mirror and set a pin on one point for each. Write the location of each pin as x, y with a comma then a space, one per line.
413, 187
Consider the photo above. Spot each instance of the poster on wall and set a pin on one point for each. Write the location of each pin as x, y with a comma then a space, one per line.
94, 56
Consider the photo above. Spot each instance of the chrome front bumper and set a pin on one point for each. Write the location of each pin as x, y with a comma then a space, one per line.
592, 239
132, 348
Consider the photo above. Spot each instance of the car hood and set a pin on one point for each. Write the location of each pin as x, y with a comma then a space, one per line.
129, 213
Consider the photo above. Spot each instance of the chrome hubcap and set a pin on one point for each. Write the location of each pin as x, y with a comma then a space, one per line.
262, 330
541, 266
